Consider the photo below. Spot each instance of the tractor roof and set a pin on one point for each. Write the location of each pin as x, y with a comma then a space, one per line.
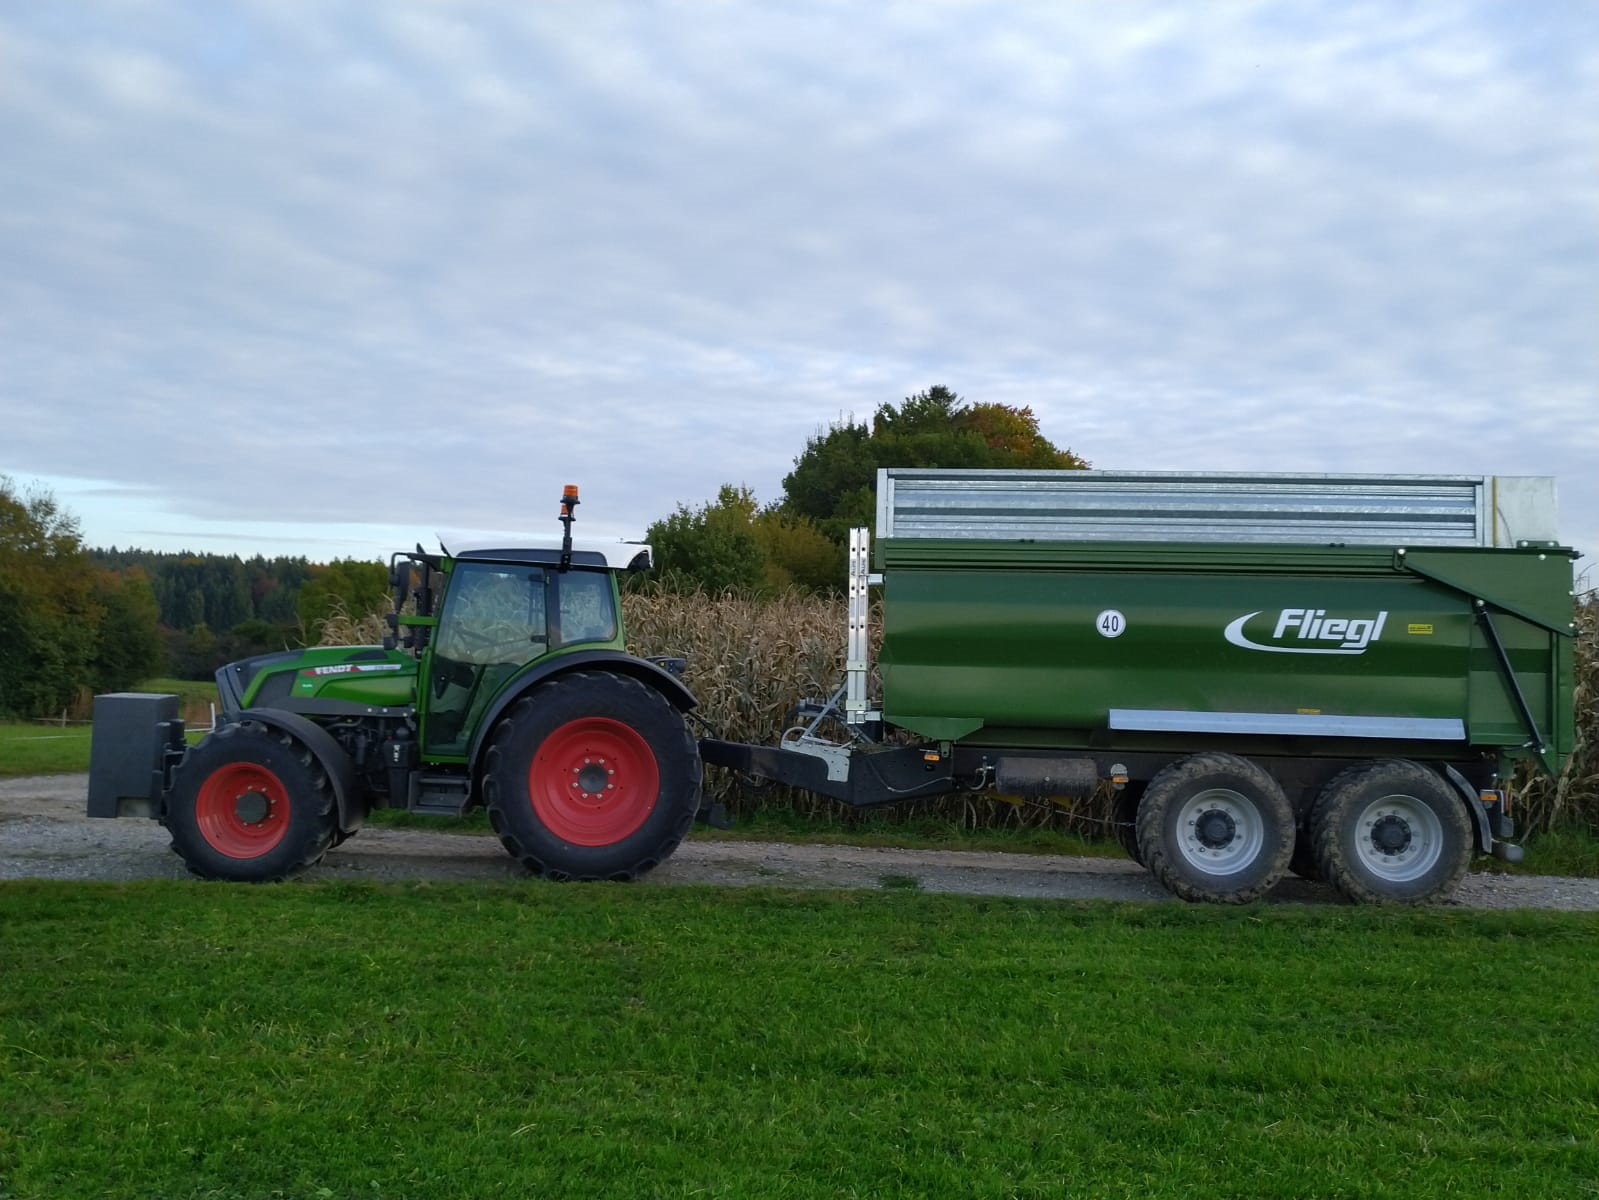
613, 556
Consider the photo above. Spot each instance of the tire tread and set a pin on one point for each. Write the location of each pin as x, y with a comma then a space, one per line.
495, 797
318, 797
1329, 852
1151, 828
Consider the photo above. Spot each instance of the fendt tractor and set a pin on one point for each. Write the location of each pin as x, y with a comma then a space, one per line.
1331, 675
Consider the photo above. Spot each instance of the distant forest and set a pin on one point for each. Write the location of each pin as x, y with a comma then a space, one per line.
77, 621
215, 608
220, 591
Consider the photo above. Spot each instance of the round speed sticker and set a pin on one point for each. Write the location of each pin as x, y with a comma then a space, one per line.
1110, 623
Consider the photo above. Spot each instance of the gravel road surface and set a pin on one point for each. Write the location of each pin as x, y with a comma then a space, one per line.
44, 835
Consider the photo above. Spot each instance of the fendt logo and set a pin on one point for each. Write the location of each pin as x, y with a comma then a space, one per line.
1297, 626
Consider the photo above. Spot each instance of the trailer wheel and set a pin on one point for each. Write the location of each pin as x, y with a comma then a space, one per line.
1215, 827
250, 804
592, 776
1124, 819
1390, 832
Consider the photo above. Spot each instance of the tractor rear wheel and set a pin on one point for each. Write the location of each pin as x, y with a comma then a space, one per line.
1215, 827
250, 804
592, 776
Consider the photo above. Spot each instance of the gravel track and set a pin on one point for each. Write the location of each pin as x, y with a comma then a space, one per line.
44, 835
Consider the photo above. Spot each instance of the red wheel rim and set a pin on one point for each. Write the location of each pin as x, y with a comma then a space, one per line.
593, 782
242, 810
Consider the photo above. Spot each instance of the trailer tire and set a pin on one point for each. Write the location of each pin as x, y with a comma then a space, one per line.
250, 804
1391, 832
592, 776
1216, 827
1124, 819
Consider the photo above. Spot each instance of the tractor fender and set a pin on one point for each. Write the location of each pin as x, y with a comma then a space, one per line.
614, 661
348, 795
1479, 815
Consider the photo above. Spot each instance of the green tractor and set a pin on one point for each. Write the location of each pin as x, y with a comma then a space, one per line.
504, 683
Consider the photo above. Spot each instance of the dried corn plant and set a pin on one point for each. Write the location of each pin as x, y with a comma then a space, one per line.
345, 629
751, 662
1573, 798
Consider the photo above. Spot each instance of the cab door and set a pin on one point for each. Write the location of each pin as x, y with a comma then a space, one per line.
495, 621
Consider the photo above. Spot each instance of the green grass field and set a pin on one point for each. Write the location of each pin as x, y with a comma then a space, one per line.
334, 1040
32, 748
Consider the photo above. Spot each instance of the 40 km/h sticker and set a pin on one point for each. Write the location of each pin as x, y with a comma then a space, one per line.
1111, 623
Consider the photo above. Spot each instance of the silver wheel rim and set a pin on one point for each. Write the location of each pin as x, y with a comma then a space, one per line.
1399, 838
1220, 831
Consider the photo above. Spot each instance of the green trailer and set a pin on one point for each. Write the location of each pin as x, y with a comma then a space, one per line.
1331, 675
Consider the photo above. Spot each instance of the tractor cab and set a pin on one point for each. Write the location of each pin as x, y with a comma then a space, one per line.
502, 611
483, 616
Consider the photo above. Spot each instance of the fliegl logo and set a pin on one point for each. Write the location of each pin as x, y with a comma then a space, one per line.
1295, 627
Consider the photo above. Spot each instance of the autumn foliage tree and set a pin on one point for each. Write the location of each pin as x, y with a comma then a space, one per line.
798, 541
65, 627
833, 481
733, 543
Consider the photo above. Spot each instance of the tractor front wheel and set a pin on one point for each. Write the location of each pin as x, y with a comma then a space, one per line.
592, 776
250, 804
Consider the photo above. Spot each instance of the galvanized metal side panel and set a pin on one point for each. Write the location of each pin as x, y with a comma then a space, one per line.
1200, 506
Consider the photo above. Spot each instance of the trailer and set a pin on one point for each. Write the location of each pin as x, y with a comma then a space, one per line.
1334, 675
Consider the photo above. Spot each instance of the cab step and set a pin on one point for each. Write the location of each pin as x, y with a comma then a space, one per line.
444, 795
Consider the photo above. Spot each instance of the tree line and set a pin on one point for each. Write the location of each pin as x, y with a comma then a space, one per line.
799, 539
75, 621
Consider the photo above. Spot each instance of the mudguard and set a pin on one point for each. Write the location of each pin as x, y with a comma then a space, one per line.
350, 799
609, 660
1479, 815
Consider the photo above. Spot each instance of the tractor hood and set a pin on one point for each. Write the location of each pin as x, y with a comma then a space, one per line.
322, 680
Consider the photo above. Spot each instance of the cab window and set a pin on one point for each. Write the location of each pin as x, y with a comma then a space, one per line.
587, 607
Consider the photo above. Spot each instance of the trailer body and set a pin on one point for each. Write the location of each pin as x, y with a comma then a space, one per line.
1146, 646
1335, 674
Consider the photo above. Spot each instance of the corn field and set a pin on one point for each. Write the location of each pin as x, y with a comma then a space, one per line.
1573, 799
752, 661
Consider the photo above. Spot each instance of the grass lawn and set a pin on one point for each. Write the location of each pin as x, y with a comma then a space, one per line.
31, 748
539, 1040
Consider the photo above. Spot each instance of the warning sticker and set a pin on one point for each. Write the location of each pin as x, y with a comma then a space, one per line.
1418, 628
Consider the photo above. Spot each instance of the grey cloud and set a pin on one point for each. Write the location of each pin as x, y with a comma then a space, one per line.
415, 264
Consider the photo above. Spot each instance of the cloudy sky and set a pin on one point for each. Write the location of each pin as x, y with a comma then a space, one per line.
324, 278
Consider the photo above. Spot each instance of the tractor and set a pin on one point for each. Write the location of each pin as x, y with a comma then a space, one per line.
503, 683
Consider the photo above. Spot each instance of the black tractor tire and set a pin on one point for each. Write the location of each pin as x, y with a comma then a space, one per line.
251, 805
592, 776
1216, 828
1124, 819
1391, 831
